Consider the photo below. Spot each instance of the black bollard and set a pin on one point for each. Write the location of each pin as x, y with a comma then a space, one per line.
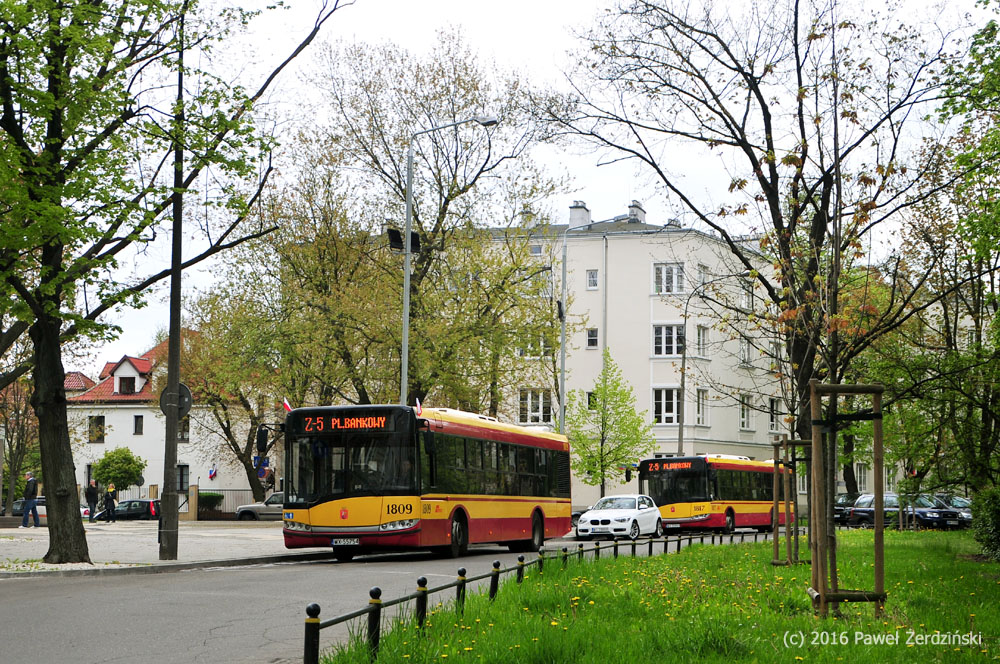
374, 620
310, 654
421, 601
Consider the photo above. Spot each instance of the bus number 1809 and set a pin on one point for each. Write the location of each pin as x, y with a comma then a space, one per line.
395, 508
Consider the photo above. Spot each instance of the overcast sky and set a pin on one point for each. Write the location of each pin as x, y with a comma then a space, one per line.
530, 36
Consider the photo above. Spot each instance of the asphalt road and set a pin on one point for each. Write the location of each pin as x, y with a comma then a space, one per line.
219, 615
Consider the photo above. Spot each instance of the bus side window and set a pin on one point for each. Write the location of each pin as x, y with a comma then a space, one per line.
428, 473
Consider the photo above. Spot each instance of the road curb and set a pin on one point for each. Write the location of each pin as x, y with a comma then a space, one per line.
162, 567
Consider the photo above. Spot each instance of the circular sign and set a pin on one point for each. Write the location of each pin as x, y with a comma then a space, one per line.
183, 403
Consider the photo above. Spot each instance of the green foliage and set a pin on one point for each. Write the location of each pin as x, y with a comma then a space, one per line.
605, 431
325, 292
209, 501
986, 521
119, 466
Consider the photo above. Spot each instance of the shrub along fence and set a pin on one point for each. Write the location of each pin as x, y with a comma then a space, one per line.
313, 625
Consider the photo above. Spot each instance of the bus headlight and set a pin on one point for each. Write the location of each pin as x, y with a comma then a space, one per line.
295, 525
398, 525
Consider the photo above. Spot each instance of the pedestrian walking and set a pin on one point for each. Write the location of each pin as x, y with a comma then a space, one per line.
30, 500
110, 496
90, 493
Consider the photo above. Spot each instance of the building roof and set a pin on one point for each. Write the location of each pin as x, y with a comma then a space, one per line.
104, 392
76, 381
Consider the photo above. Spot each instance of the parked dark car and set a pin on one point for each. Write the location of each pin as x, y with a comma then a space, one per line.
922, 510
958, 503
133, 509
842, 505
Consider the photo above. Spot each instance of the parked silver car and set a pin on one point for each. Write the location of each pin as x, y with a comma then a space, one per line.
269, 510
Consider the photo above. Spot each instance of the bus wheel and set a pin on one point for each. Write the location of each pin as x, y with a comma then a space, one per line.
459, 538
730, 523
537, 534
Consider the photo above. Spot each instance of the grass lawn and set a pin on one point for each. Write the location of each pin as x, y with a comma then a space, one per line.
719, 604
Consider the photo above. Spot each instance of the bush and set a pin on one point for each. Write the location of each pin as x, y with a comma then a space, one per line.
209, 501
986, 521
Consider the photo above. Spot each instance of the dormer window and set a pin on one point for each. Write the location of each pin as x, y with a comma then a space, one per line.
126, 385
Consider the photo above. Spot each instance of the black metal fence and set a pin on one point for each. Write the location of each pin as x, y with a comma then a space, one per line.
313, 624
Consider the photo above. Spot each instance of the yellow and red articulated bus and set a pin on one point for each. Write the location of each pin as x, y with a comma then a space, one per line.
713, 491
363, 479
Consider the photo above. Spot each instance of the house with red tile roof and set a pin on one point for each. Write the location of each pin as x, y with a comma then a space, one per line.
121, 409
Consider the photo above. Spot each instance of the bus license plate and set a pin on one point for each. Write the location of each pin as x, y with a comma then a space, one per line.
345, 541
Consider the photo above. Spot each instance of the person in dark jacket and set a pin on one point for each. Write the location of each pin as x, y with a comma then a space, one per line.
110, 496
30, 500
90, 493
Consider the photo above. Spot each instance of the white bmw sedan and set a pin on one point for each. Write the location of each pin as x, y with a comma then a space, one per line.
620, 516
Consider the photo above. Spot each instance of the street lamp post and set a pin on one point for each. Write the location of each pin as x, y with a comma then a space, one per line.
681, 403
481, 120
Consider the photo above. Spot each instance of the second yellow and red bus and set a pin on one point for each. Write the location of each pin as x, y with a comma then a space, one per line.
713, 492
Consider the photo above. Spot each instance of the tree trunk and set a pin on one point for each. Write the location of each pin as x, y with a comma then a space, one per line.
850, 479
67, 538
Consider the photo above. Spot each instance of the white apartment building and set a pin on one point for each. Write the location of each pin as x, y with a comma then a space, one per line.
662, 297
122, 410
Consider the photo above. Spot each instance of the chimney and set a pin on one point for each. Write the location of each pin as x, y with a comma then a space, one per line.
579, 215
635, 213
673, 223
527, 216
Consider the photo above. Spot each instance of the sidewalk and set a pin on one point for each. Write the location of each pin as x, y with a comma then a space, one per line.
132, 547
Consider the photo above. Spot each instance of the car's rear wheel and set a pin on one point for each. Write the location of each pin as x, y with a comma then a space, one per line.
659, 528
247, 516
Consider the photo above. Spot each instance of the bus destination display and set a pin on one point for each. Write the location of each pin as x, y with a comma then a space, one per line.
328, 423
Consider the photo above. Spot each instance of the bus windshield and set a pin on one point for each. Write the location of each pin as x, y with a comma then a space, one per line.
679, 486
342, 465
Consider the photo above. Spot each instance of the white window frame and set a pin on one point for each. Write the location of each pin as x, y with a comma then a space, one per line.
746, 412
702, 341
703, 274
744, 357
890, 478
662, 398
861, 475
701, 410
532, 406
803, 481
592, 335
774, 415
677, 341
592, 280
668, 278
746, 286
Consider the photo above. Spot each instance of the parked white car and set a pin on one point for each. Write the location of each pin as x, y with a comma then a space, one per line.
629, 516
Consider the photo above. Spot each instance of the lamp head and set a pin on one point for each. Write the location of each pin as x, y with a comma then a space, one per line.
486, 120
